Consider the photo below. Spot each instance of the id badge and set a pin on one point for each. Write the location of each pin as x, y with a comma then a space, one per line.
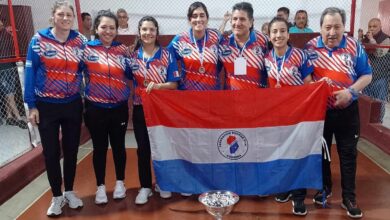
240, 66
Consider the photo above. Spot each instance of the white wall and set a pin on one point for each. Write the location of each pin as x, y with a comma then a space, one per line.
367, 10
171, 14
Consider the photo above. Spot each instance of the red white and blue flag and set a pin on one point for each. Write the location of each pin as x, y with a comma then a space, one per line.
252, 142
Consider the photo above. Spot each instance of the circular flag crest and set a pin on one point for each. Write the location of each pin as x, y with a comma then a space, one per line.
232, 145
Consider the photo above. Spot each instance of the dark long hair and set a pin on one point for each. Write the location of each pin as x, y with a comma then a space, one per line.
194, 6
103, 13
247, 7
138, 41
274, 20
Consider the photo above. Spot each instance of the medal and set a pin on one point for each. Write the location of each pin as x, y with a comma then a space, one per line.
146, 83
278, 85
202, 69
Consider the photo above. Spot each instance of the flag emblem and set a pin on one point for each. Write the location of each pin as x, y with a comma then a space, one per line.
232, 145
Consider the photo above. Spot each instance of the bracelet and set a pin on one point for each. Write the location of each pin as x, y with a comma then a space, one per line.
353, 92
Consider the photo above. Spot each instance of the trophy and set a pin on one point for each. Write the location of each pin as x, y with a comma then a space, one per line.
219, 202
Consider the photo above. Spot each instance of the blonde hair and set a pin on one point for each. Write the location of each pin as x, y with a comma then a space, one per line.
57, 5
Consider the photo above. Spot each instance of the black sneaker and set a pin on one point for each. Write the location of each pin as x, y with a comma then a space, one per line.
353, 210
299, 207
319, 197
283, 197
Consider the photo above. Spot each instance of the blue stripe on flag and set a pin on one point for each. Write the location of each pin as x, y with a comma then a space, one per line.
242, 178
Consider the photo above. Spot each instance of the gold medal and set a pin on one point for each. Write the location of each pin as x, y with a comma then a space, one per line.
146, 83
202, 69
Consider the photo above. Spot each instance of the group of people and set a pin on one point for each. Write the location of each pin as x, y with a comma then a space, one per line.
59, 59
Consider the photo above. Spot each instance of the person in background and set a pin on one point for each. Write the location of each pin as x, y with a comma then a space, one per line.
226, 17
301, 23
52, 93
153, 68
379, 58
265, 28
287, 66
197, 51
360, 35
284, 12
242, 53
9, 81
344, 61
87, 25
107, 72
123, 19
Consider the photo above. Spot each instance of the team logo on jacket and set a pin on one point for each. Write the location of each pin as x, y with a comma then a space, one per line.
49, 51
313, 55
92, 57
257, 50
214, 49
226, 51
267, 65
122, 60
232, 145
294, 71
185, 50
347, 59
134, 64
162, 70
77, 52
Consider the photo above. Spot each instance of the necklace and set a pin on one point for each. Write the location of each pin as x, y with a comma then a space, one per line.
201, 68
278, 70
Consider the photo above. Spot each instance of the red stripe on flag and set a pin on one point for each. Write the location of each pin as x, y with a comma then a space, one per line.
236, 109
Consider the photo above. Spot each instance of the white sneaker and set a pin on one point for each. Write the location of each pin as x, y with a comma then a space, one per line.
73, 201
120, 190
56, 206
101, 196
186, 194
143, 195
163, 194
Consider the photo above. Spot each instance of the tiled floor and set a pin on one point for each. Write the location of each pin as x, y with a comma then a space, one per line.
14, 141
373, 186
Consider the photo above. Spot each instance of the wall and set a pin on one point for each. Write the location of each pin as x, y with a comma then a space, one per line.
384, 15
367, 10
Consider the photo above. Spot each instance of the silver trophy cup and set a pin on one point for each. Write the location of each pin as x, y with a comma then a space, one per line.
219, 202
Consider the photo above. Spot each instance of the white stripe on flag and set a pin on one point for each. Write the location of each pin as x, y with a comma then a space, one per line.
211, 145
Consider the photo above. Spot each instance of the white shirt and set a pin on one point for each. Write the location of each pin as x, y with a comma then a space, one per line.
124, 31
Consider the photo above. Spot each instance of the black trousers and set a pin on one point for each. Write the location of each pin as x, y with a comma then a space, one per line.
107, 125
143, 144
68, 117
344, 124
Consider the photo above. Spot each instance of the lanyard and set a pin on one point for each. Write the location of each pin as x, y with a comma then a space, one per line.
279, 70
197, 48
146, 82
243, 48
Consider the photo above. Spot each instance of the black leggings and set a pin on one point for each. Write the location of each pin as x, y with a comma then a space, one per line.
52, 116
107, 125
143, 144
